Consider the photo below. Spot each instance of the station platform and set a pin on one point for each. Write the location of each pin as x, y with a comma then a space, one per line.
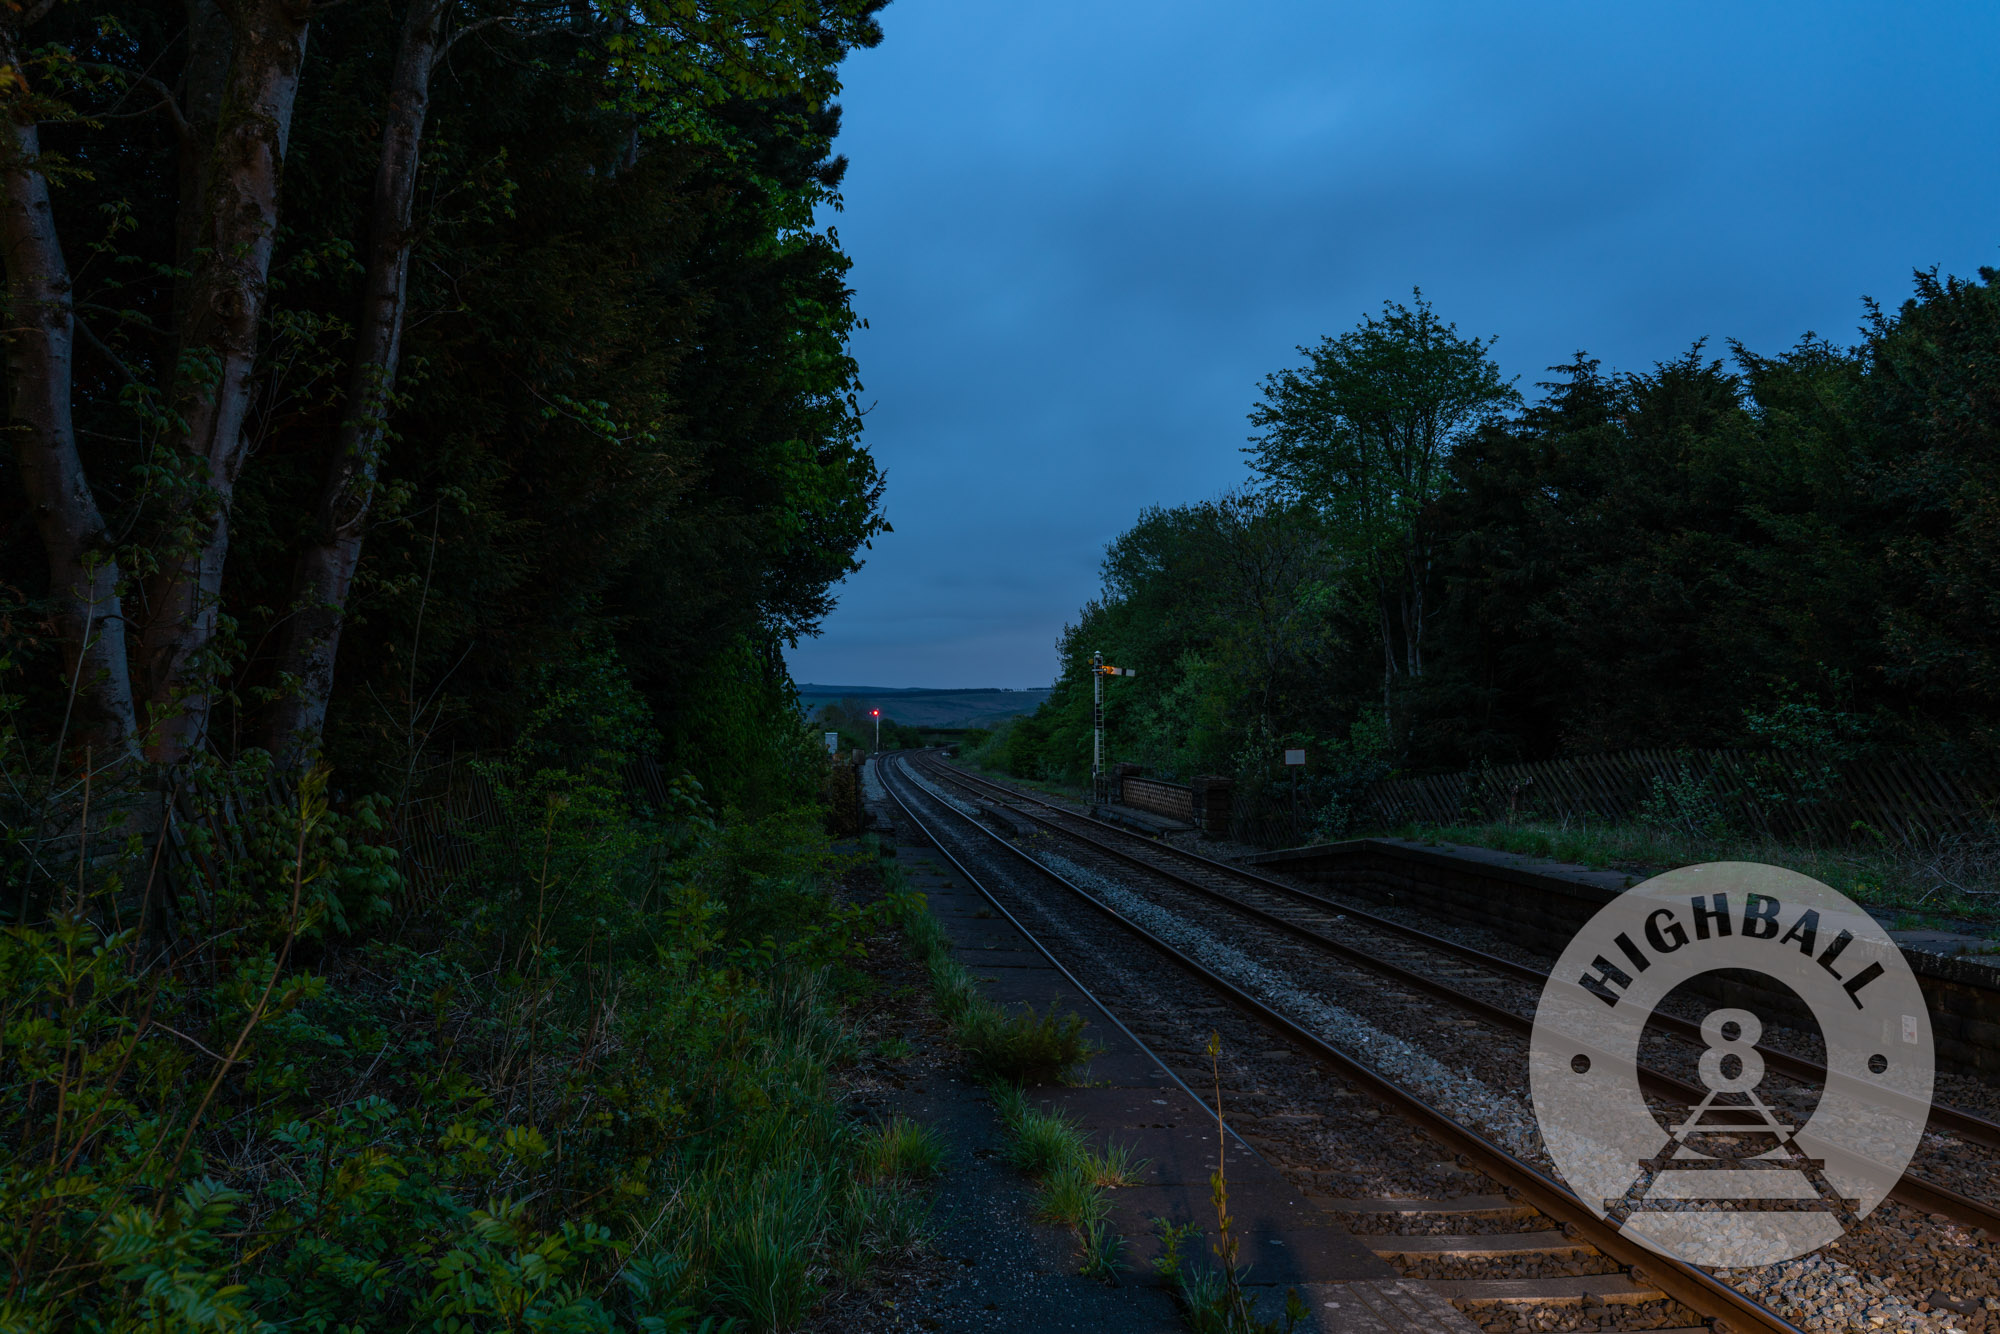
1143, 822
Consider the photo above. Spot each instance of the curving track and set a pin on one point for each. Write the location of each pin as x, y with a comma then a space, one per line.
1411, 957
1068, 876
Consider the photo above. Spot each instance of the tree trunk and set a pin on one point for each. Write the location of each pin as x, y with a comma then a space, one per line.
1415, 567
1388, 643
236, 231
84, 579
325, 573
203, 80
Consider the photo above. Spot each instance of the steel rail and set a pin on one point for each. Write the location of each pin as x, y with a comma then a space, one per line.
1061, 967
1966, 1125
1918, 1192
1692, 1287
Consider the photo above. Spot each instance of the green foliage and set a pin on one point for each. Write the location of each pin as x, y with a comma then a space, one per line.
587, 1088
1930, 417
1224, 608
579, 1074
626, 433
1808, 740
1023, 1047
1173, 1236
901, 1149
1364, 435
1788, 554
1684, 803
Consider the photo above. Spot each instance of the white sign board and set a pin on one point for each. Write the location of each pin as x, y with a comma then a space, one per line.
1295, 757
832, 743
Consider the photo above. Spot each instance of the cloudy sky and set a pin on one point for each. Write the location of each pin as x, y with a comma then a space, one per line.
1084, 230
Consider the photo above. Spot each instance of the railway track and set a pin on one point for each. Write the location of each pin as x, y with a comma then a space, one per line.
1442, 1232
1525, 1213
1312, 917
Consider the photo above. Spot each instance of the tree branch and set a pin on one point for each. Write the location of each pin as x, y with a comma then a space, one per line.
36, 13
103, 349
171, 103
452, 39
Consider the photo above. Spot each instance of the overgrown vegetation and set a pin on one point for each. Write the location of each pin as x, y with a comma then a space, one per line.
1071, 1180
1018, 1047
590, 1086
421, 433
1006, 1051
1948, 878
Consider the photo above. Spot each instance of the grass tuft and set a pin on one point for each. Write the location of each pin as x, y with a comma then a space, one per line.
1042, 1143
1027, 1048
763, 1253
900, 1149
1116, 1167
1071, 1197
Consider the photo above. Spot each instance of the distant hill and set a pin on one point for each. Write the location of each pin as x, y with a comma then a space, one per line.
931, 708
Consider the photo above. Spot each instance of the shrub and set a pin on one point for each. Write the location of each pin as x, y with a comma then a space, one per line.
1025, 1048
586, 1085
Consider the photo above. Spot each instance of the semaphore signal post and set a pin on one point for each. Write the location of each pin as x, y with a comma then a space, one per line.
1098, 671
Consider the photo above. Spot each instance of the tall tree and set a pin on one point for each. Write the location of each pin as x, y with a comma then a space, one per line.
86, 583
1362, 432
251, 265
1931, 411
677, 66
234, 235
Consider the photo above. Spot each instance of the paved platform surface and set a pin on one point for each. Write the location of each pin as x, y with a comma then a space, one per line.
1022, 1276
1145, 822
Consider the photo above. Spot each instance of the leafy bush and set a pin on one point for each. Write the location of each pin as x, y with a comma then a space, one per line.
1025, 1048
588, 1085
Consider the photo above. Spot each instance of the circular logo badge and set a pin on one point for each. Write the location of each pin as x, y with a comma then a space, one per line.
1756, 1169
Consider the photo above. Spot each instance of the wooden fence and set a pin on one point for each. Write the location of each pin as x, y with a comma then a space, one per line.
1908, 797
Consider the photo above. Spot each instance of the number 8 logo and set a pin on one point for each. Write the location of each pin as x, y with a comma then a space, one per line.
1706, 1187
1724, 1046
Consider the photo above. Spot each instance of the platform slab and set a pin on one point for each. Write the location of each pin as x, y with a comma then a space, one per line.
1282, 1242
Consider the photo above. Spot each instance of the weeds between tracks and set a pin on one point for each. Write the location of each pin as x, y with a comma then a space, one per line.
1213, 1300
1048, 1147
1023, 1048
1006, 1051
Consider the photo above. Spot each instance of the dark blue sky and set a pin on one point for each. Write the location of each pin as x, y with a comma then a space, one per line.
1083, 231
